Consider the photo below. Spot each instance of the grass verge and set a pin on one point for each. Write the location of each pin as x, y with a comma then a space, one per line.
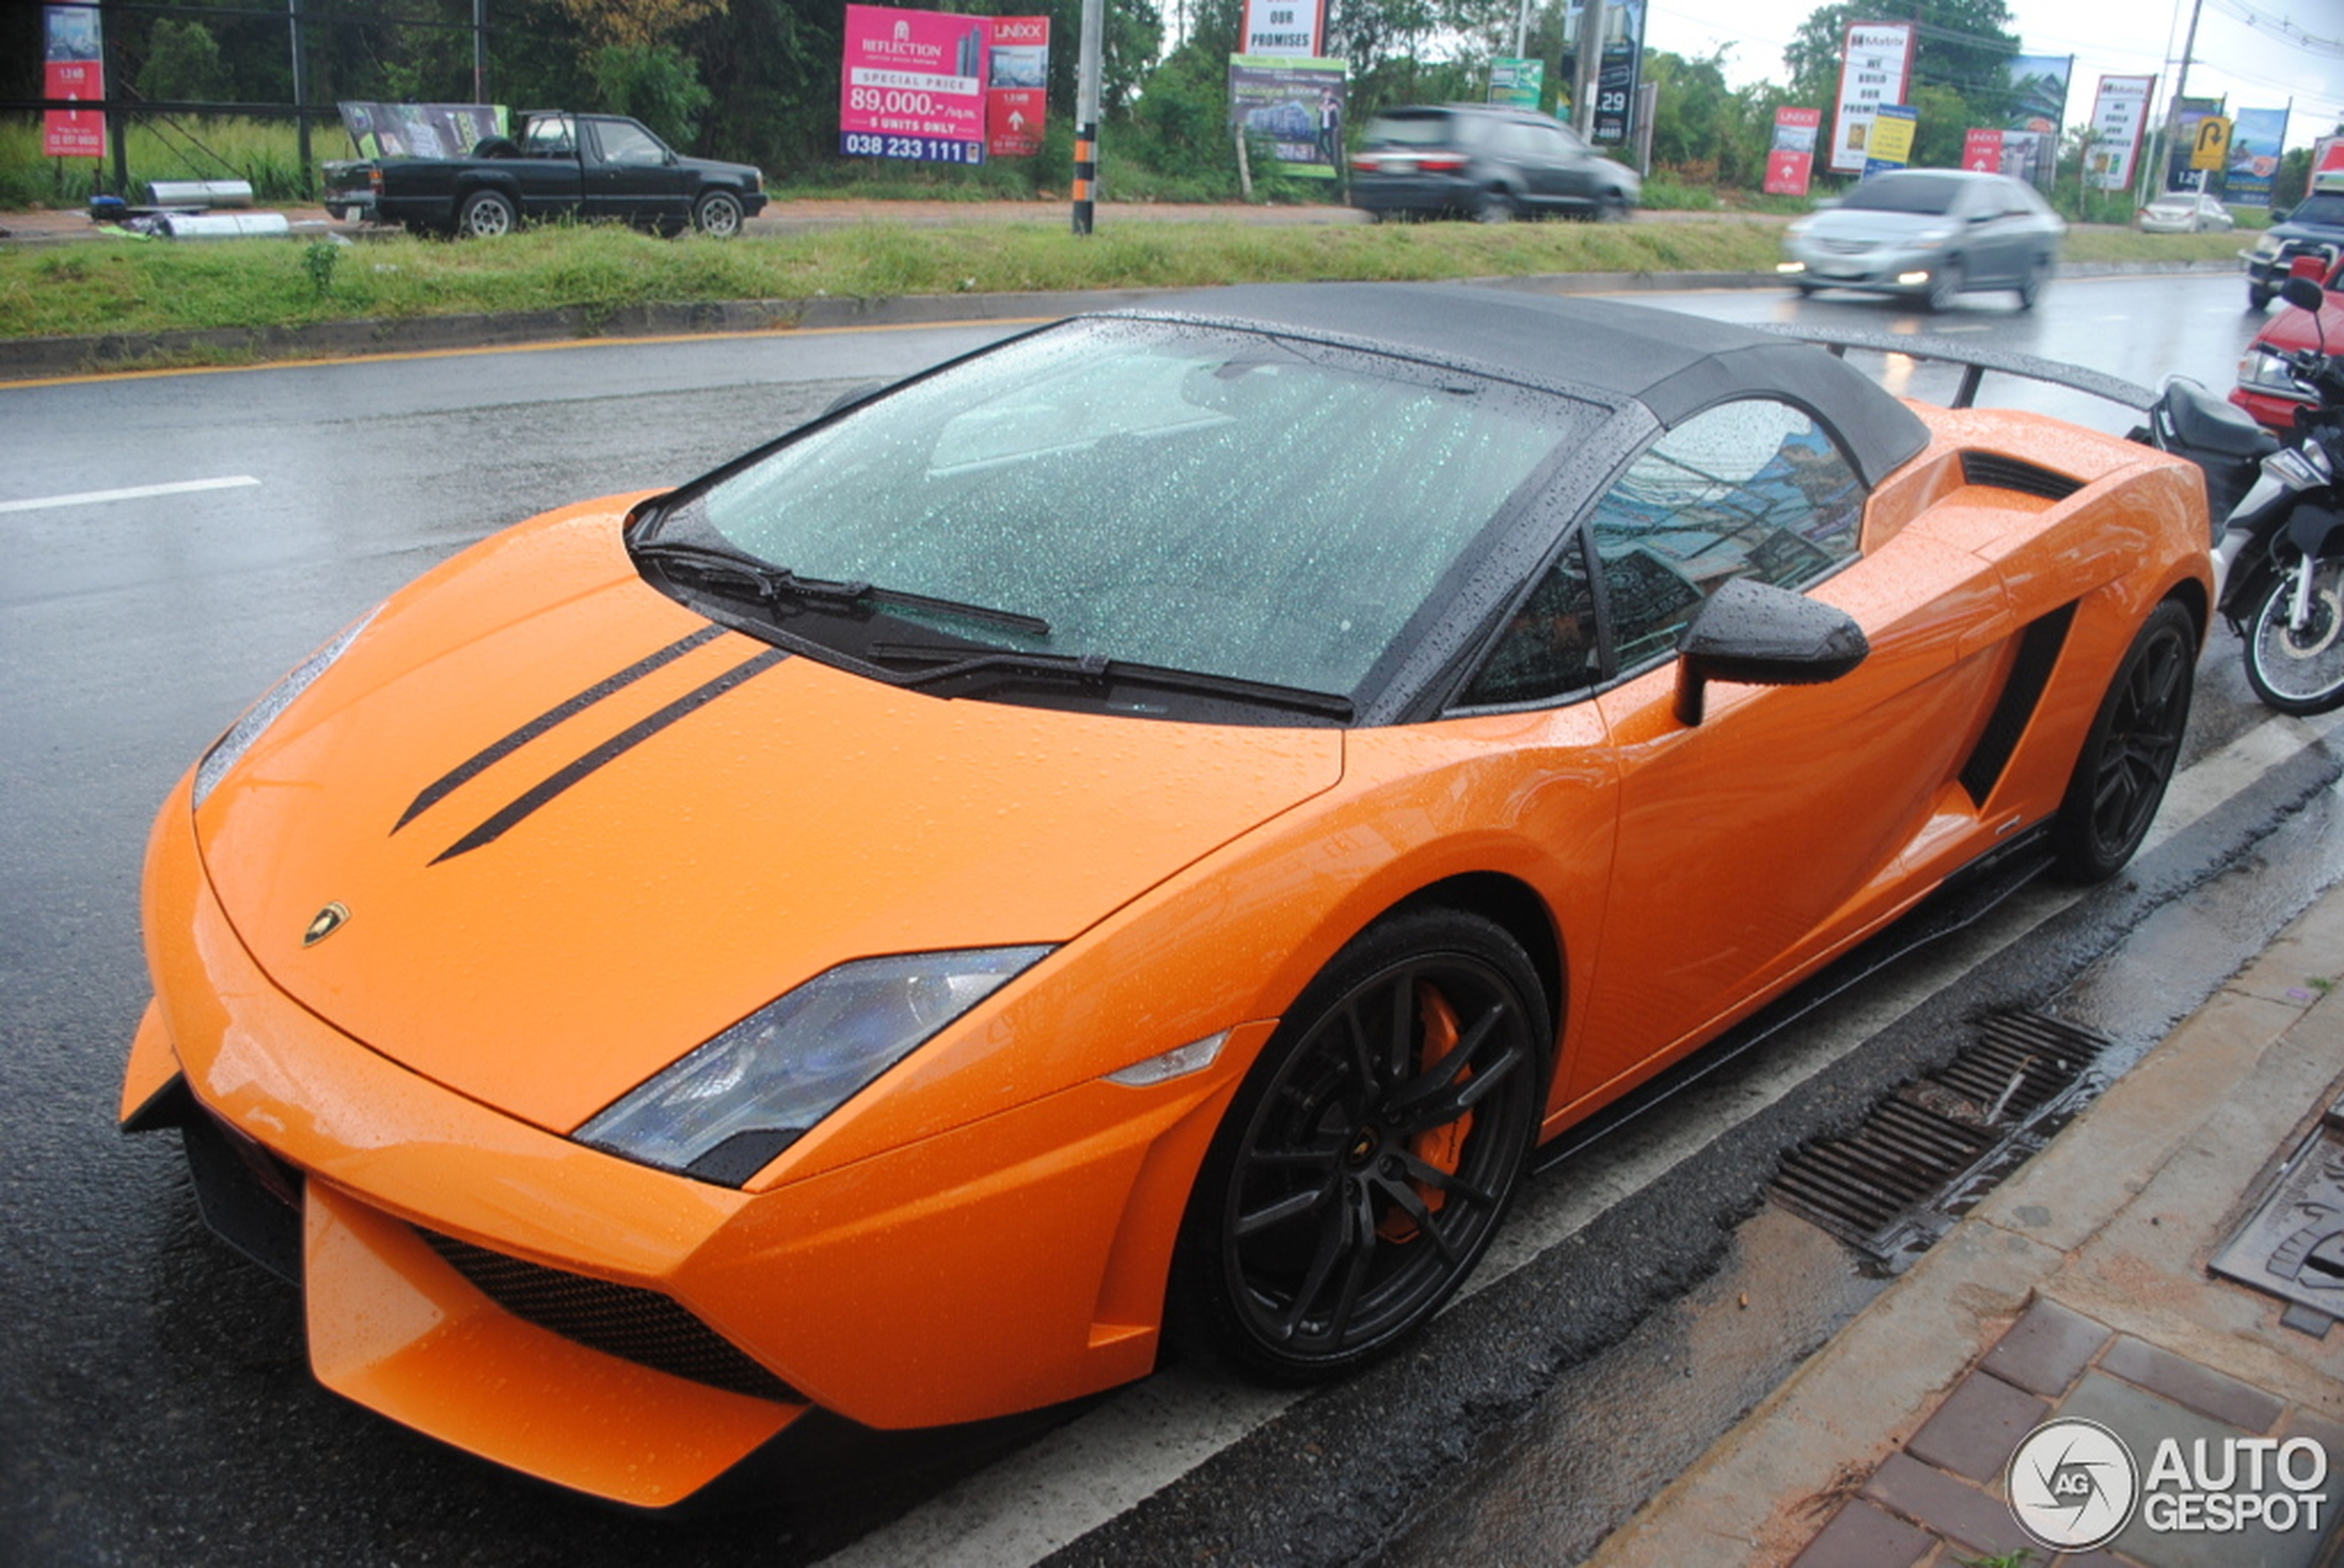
138, 287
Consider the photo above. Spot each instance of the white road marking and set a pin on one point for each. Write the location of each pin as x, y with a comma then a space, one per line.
1087, 1472
135, 492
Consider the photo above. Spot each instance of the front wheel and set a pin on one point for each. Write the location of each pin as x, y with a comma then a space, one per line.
1943, 286
2130, 753
2258, 296
2299, 669
717, 214
1371, 1155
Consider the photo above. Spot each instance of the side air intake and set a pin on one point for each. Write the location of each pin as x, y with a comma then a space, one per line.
2000, 472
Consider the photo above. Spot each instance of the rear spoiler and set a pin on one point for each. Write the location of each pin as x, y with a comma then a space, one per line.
1975, 363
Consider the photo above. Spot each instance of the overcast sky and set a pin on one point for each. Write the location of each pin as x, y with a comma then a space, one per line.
2257, 64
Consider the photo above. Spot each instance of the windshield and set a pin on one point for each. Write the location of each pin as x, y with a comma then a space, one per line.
1903, 192
1413, 130
1154, 493
2327, 209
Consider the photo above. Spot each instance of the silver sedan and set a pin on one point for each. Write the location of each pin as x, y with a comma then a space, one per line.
1931, 233
2185, 212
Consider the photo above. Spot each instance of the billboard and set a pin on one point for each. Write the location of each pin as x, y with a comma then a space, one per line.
2257, 139
1617, 73
1790, 163
1294, 28
1517, 83
1296, 104
913, 86
72, 56
1893, 125
420, 131
2120, 109
1875, 68
1017, 81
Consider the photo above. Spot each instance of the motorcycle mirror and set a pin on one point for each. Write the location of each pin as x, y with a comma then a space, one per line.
2305, 295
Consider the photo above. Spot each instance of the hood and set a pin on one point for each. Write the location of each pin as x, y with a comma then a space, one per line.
2293, 329
1864, 223
577, 830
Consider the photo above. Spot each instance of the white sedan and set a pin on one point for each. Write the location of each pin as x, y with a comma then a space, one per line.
2185, 212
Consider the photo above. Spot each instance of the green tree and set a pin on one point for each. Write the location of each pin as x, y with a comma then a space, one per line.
656, 83
183, 65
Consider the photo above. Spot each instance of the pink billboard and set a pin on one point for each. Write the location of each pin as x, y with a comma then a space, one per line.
913, 86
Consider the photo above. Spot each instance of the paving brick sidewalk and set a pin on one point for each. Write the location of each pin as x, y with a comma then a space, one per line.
2079, 1289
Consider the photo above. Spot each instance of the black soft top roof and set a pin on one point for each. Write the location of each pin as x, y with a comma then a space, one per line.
1673, 364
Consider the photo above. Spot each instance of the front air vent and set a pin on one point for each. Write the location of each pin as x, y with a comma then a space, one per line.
625, 1320
1999, 472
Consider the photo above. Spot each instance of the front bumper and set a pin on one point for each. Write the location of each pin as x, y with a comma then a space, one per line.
1015, 1263
1881, 269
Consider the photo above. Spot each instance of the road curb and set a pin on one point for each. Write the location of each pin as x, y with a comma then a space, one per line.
35, 359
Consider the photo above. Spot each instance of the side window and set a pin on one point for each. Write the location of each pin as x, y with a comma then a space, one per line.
549, 138
1549, 648
628, 145
1747, 489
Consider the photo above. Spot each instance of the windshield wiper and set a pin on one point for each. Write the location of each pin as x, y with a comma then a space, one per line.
773, 584
946, 664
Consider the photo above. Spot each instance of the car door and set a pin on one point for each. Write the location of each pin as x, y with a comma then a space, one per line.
2000, 228
1755, 843
630, 176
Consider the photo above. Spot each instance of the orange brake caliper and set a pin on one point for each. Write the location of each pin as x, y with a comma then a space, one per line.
1442, 1147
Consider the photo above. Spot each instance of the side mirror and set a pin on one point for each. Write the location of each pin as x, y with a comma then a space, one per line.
2303, 294
1758, 635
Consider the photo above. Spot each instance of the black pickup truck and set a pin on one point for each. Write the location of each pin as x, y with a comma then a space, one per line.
556, 165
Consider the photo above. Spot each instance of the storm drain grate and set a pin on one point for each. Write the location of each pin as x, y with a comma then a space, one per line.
1942, 1139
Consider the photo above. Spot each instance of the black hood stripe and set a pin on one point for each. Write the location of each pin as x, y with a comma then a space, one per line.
618, 745
447, 782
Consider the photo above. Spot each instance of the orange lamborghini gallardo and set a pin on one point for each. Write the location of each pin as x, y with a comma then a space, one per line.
1130, 838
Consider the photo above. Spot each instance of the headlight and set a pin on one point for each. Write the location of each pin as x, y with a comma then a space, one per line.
2266, 372
725, 1111
229, 748
1929, 239
1799, 226
2270, 244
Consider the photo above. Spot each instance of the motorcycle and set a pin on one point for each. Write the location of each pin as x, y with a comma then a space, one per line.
2279, 565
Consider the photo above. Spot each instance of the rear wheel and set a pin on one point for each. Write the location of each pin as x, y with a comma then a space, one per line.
2299, 669
1493, 206
485, 214
2030, 287
2130, 753
1371, 1155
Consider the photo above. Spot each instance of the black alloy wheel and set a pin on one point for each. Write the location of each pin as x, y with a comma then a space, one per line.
2131, 751
1370, 1156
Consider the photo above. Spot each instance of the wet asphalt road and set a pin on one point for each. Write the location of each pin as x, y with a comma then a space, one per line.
156, 1408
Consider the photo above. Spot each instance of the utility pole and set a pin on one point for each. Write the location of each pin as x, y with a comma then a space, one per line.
301, 89
1583, 92
2142, 189
1086, 114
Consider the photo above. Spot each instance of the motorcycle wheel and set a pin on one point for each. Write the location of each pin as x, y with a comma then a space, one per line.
2298, 670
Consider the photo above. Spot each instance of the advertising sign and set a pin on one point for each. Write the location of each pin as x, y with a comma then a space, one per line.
1892, 136
2039, 93
1296, 104
1518, 84
1017, 86
1981, 151
2257, 140
74, 59
1876, 66
1617, 73
1287, 28
420, 131
2118, 111
1790, 164
913, 86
